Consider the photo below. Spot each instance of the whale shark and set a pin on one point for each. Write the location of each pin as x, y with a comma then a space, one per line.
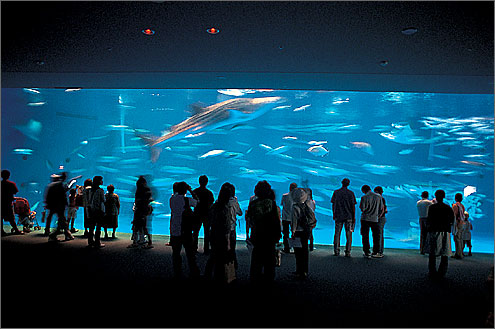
229, 112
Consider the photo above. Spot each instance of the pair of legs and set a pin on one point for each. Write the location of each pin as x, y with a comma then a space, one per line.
375, 232
94, 231
347, 225
9, 215
177, 243
468, 244
459, 244
62, 225
381, 226
106, 232
263, 262
423, 234
286, 234
219, 256
442, 268
302, 254
206, 231
71, 214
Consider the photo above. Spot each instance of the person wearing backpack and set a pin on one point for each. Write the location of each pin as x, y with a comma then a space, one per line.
96, 211
181, 229
264, 220
303, 221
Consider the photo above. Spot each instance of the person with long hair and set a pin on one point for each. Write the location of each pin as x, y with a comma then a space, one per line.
264, 219
219, 219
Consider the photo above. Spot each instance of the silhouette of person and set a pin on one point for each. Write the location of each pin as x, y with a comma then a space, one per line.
87, 187
286, 204
371, 206
112, 210
381, 219
56, 202
312, 204
96, 207
205, 197
181, 232
72, 212
234, 211
9, 189
303, 220
142, 208
423, 206
439, 221
459, 210
344, 215
219, 219
264, 221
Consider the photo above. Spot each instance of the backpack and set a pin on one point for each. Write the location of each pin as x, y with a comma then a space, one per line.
189, 219
308, 219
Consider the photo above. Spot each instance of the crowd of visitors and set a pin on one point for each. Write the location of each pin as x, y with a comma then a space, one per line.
266, 223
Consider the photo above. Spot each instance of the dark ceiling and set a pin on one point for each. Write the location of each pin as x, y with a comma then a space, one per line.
267, 44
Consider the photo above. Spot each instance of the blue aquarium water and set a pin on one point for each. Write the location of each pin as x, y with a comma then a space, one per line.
404, 142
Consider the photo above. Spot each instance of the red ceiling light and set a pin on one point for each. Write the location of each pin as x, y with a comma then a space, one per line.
212, 30
148, 31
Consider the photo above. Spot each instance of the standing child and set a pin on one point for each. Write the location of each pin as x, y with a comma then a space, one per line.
72, 212
466, 233
112, 210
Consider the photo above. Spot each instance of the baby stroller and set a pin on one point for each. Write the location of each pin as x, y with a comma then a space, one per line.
27, 217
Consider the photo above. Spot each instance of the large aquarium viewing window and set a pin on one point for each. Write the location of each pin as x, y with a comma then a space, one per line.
405, 142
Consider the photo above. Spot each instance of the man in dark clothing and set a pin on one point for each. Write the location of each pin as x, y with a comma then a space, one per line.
344, 215
9, 189
438, 223
206, 199
56, 202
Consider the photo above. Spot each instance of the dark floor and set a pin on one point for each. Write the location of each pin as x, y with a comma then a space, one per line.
67, 285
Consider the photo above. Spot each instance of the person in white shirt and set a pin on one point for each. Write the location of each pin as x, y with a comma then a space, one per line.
423, 206
179, 235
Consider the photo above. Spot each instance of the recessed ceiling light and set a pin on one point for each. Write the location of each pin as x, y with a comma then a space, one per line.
148, 31
409, 30
212, 30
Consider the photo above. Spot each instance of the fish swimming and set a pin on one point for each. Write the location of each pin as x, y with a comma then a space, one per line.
318, 150
211, 153
221, 114
366, 147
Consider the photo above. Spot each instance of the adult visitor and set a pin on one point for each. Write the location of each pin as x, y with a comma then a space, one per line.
439, 221
371, 206
9, 189
264, 221
286, 204
303, 221
381, 219
344, 214
205, 198
422, 206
